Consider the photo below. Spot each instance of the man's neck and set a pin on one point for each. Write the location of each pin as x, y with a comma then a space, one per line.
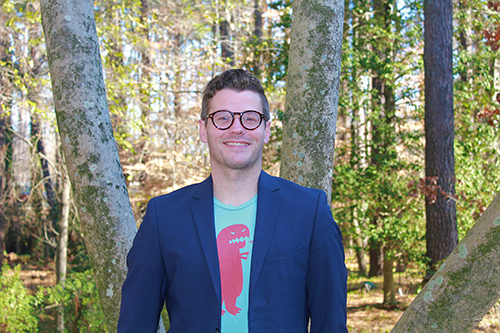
235, 187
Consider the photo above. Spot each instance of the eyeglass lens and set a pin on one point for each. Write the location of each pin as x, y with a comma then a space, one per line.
249, 119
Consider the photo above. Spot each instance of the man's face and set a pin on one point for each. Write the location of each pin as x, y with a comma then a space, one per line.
235, 148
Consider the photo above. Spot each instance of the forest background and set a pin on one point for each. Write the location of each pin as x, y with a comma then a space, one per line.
158, 55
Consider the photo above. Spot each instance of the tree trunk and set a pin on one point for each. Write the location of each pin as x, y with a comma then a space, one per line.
378, 142
227, 53
40, 148
62, 245
258, 64
389, 289
7, 181
88, 145
3, 178
309, 122
3, 139
466, 37
464, 287
178, 77
145, 79
375, 255
358, 158
360, 256
442, 234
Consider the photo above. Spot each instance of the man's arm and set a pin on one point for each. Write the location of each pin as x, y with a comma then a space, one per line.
327, 274
143, 292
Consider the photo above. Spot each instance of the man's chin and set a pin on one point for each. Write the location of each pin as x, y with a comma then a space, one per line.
242, 165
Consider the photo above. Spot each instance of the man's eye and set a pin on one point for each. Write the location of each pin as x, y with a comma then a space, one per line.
222, 118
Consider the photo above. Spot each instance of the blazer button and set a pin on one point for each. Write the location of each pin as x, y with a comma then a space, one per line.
217, 330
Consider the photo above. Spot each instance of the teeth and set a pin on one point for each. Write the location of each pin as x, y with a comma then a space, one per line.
238, 240
236, 144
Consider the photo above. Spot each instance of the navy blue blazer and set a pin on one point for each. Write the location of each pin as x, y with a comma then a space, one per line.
297, 269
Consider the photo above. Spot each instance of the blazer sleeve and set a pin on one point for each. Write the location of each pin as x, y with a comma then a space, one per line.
143, 292
327, 274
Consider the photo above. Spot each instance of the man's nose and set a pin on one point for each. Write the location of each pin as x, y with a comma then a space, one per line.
237, 127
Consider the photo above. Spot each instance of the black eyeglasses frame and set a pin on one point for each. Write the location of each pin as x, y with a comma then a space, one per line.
211, 116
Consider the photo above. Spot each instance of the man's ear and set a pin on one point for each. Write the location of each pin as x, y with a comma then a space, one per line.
203, 130
267, 131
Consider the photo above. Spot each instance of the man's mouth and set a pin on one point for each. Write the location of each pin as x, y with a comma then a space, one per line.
239, 240
236, 144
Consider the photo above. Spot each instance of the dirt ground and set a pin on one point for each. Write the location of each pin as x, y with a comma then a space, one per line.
366, 314
32, 276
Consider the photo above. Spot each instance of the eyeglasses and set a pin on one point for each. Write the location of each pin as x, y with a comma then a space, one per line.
223, 119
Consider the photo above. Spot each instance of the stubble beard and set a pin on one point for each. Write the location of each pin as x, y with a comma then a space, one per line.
227, 163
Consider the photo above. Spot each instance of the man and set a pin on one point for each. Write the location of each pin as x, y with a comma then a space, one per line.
241, 251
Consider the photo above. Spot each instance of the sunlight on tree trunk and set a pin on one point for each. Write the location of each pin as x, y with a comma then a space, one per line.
465, 286
309, 122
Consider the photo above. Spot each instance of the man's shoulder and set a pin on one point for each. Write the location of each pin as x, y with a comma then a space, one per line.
289, 186
180, 195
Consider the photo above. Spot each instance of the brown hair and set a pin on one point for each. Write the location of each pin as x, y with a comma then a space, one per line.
236, 79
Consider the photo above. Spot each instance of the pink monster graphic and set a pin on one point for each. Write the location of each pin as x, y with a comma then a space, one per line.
229, 242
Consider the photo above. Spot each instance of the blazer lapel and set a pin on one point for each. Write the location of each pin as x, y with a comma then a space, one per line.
202, 207
268, 200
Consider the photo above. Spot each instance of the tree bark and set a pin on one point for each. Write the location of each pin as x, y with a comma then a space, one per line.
309, 122
442, 234
88, 145
465, 286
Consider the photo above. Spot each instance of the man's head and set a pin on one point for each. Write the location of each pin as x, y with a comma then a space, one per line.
238, 80
235, 145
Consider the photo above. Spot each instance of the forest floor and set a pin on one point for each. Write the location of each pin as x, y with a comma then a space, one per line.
365, 312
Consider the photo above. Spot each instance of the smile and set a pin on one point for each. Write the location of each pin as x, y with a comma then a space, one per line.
236, 144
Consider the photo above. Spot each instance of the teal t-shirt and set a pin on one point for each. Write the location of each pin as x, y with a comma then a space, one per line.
234, 227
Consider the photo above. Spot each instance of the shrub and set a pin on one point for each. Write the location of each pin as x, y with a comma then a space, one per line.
80, 300
17, 306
